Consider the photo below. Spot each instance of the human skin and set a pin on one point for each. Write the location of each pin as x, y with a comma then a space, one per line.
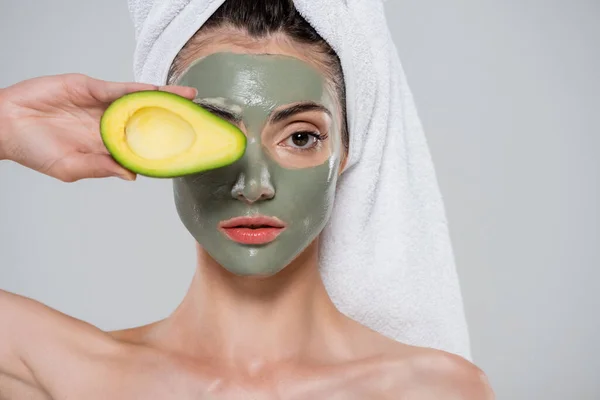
50, 124
275, 177
233, 336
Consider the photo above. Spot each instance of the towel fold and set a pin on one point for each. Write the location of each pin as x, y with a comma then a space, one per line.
386, 254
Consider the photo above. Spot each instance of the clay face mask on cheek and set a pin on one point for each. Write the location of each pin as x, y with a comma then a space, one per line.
252, 87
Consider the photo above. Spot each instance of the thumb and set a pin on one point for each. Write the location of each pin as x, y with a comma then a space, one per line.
89, 165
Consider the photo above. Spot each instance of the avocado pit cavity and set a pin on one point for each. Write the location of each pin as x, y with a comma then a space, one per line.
155, 133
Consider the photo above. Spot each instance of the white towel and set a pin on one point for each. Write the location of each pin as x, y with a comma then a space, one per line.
386, 256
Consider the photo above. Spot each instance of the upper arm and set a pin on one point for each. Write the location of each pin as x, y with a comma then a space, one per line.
11, 323
11, 389
41, 346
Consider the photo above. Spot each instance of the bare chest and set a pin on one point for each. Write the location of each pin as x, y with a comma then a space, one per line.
148, 385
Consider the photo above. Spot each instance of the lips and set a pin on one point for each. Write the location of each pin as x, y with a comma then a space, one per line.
252, 230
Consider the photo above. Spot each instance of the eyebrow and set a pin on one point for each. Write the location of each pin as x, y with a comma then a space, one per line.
287, 112
277, 116
221, 111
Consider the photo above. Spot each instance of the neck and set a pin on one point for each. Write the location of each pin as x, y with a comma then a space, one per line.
250, 320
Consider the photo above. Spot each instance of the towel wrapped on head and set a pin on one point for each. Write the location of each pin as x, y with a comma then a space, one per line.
386, 255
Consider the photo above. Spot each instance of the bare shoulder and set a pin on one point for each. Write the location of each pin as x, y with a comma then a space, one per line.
137, 335
390, 369
434, 374
36, 338
35, 322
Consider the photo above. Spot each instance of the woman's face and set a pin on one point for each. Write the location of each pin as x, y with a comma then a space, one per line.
258, 214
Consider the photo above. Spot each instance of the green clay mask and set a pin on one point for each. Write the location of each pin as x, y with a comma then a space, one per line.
272, 179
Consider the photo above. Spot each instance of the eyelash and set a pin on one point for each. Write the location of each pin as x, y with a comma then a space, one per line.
320, 137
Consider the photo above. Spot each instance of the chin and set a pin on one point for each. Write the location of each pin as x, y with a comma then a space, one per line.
253, 273
249, 270
258, 261
251, 265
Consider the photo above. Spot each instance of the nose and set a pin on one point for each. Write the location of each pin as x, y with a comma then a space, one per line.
254, 181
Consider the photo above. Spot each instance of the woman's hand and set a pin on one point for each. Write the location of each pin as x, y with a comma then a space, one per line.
52, 124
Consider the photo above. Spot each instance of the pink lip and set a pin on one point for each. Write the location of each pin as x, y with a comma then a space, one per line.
252, 230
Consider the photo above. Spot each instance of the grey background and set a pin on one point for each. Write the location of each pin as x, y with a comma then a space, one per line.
509, 96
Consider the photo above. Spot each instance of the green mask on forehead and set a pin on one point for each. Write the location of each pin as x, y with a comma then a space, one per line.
254, 86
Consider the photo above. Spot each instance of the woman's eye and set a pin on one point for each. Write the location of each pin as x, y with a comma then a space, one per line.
302, 140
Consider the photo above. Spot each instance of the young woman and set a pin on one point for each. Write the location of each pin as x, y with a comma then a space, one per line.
257, 321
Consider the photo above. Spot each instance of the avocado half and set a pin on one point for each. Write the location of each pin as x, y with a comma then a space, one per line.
163, 135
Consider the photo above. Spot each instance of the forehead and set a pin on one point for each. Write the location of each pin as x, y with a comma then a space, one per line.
257, 79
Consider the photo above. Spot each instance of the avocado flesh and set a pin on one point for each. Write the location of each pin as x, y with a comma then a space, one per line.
163, 135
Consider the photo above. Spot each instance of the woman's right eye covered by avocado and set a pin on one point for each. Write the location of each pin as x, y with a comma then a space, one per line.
163, 135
